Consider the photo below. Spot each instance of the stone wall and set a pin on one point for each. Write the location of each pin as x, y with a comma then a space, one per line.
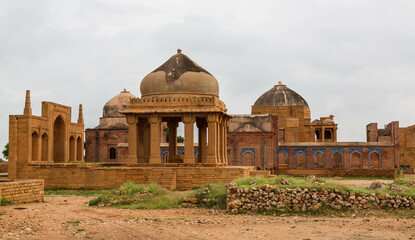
22, 191
271, 198
99, 177
3, 167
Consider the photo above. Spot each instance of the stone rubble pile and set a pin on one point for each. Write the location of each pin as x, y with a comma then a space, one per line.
270, 197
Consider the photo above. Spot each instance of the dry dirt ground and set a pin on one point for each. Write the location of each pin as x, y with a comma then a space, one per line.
69, 217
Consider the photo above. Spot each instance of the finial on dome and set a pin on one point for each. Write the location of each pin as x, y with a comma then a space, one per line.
179, 51
125, 91
279, 84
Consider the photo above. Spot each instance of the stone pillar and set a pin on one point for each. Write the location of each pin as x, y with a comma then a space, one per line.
202, 143
225, 141
212, 157
146, 141
323, 133
172, 125
132, 139
189, 150
155, 157
140, 142
220, 141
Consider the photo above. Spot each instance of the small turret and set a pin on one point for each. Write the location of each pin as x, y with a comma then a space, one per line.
81, 115
27, 108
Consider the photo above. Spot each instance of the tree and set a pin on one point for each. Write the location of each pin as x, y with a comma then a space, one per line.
6, 151
180, 139
166, 130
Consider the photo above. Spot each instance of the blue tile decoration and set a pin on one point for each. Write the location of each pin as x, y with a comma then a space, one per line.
315, 151
285, 151
244, 150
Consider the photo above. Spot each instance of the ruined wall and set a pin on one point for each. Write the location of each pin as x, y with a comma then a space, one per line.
407, 146
270, 198
253, 135
100, 141
98, 177
340, 156
22, 191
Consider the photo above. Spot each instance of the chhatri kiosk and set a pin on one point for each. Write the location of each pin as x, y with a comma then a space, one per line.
178, 91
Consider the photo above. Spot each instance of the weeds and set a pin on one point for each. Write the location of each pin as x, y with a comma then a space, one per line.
5, 202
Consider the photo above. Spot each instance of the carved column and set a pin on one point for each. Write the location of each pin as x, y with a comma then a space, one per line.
212, 139
172, 125
224, 146
132, 139
189, 151
155, 139
146, 141
202, 126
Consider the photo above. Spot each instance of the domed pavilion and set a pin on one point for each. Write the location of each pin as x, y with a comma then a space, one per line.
178, 91
294, 119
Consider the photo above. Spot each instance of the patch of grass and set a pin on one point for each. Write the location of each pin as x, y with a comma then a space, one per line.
139, 196
211, 195
72, 223
73, 192
5, 202
80, 230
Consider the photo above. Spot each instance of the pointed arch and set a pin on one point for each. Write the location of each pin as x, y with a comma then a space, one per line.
71, 149
337, 160
374, 160
113, 153
300, 159
45, 147
165, 157
356, 160
35, 146
248, 158
79, 149
59, 140
318, 160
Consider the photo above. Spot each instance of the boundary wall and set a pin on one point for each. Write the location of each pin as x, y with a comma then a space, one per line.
22, 191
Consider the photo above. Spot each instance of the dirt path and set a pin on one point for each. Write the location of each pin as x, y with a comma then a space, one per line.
68, 217
359, 183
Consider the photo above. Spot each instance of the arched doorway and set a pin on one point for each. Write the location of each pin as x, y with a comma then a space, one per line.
300, 159
318, 160
71, 148
248, 159
35, 146
282, 159
374, 160
79, 149
356, 160
165, 157
59, 140
45, 147
337, 160
113, 153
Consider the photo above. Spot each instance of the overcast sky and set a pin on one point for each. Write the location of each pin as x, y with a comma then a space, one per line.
352, 59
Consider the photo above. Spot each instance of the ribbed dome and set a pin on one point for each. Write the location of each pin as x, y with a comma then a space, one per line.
177, 76
280, 95
118, 103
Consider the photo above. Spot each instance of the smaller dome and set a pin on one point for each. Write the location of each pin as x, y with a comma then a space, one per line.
116, 104
280, 95
328, 121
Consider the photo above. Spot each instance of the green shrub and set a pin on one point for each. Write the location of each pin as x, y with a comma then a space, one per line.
5, 202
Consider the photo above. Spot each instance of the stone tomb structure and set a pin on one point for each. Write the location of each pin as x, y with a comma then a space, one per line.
178, 91
50, 147
49, 138
279, 135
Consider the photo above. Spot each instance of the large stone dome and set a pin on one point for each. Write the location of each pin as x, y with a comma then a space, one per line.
116, 104
179, 75
280, 95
